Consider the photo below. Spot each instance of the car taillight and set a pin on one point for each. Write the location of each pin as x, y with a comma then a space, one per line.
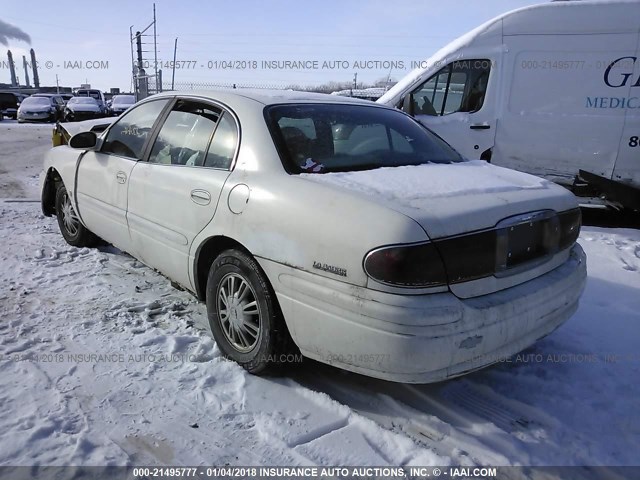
498, 251
570, 223
406, 266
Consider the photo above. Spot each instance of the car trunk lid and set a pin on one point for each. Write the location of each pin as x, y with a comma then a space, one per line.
451, 200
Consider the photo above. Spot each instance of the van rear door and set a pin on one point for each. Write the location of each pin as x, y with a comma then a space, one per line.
627, 167
558, 116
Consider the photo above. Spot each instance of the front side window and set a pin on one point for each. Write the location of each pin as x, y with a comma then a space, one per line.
458, 87
185, 135
127, 137
322, 138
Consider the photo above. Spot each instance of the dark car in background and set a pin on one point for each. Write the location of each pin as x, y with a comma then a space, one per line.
9, 103
82, 108
39, 108
57, 99
120, 103
97, 95
66, 97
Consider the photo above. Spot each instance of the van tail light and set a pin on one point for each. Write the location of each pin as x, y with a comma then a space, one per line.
417, 265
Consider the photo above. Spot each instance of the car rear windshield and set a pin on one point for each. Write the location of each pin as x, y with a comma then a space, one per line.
89, 93
36, 101
322, 138
124, 99
87, 100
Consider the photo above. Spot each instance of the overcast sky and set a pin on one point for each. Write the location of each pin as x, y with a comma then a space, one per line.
214, 34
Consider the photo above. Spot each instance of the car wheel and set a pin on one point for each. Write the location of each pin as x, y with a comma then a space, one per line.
72, 230
244, 315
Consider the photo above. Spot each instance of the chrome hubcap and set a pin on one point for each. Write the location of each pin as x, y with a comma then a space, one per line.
239, 312
69, 217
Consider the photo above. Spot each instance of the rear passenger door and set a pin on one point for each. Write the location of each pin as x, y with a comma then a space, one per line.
174, 194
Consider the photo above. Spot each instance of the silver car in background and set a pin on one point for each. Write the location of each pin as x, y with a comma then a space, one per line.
120, 103
39, 108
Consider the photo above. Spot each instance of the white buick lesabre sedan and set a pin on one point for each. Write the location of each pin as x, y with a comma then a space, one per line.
339, 227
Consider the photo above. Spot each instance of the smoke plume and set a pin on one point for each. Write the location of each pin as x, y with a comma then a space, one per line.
8, 31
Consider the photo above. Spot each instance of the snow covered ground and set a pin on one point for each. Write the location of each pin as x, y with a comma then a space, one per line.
103, 362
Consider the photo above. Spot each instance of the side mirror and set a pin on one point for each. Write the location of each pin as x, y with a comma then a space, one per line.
84, 140
407, 104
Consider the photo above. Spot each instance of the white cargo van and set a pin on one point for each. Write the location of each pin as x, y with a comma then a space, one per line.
552, 90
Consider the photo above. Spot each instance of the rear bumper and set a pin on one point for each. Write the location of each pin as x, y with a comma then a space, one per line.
78, 116
36, 117
423, 338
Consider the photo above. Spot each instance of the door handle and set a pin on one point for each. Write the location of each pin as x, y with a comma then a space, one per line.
201, 197
479, 126
121, 177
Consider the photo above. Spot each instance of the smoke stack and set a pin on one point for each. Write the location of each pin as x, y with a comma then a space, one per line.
12, 69
26, 71
34, 66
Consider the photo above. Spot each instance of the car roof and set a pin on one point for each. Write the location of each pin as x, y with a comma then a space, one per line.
267, 97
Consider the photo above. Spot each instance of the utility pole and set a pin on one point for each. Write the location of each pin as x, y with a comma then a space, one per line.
355, 81
57, 84
141, 78
134, 87
139, 50
155, 51
173, 74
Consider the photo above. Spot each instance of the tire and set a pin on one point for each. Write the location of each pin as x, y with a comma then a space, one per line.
252, 332
72, 230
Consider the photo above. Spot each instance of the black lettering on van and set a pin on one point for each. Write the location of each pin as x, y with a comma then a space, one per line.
625, 76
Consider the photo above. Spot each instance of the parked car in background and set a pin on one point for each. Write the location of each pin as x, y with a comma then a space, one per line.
97, 95
57, 100
336, 225
38, 109
120, 103
10, 102
66, 97
82, 108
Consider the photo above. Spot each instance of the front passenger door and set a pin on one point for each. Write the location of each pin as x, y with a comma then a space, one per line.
103, 177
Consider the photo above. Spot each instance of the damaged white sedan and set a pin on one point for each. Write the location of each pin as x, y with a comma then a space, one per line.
338, 227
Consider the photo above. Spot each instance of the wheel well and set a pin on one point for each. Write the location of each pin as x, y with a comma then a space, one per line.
49, 188
206, 254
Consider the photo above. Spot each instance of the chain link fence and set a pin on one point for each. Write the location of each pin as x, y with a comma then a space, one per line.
186, 85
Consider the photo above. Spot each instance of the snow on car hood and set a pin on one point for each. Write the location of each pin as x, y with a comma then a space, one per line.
449, 199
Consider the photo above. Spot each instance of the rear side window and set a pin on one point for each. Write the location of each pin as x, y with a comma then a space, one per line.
185, 135
223, 145
459, 87
128, 136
